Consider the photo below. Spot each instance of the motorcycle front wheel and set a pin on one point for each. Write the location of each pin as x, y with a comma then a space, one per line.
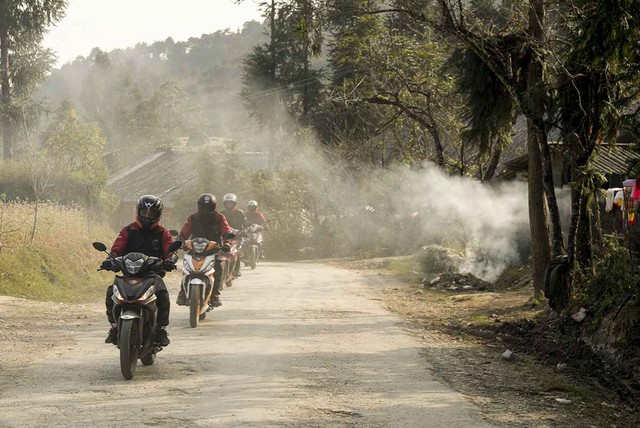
129, 346
194, 312
253, 257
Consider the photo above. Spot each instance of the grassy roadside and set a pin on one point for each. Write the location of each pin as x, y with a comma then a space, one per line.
552, 380
59, 264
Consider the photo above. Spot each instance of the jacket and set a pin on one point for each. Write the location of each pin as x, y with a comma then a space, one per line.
212, 229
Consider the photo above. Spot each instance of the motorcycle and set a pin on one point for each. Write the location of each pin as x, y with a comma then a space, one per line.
198, 270
232, 257
253, 245
135, 307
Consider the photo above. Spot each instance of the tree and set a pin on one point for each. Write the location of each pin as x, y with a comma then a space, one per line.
24, 63
75, 147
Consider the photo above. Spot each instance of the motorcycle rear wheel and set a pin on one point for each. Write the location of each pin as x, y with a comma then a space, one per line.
195, 306
128, 342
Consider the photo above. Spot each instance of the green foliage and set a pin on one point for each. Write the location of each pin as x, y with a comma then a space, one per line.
613, 282
280, 71
25, 62
76, 147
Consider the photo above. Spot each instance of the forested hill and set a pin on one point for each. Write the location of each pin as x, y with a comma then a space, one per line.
152, 94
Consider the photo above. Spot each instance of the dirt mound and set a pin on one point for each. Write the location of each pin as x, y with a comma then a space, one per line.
457, 282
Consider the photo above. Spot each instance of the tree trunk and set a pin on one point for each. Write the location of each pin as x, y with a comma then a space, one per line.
494, 160
584, 252
540, 245
7, 129
550, 192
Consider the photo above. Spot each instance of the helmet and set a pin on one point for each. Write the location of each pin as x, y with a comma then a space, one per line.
149, 211
230, 200
252, 205
206, 203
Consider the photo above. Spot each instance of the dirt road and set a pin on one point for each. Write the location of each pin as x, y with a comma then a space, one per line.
294, 345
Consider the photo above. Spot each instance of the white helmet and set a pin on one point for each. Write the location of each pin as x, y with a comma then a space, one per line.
230, 197
252, 204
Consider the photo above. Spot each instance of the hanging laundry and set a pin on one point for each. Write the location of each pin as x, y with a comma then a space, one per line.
610, 199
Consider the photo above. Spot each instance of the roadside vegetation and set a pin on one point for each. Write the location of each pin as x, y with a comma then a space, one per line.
58, 264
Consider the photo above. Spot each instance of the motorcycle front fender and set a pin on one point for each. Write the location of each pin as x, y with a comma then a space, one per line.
129, 315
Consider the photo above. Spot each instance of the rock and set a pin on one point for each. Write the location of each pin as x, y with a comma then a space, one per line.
434, 280
580, 315
467, 287
438, 259
508, 355
563, 401
561, 367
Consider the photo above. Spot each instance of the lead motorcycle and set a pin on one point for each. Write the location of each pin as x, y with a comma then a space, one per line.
252, 247
135, 307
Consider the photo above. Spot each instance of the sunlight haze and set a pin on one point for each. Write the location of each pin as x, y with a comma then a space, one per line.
116, 24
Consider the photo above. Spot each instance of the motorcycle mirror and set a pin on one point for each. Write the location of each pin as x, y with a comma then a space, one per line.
174, 233
175, 245
229, 236
99, 246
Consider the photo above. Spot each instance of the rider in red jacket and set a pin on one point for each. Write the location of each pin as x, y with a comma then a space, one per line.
146, 236
254, 216
210, 224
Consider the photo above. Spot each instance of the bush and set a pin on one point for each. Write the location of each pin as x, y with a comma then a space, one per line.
63, 188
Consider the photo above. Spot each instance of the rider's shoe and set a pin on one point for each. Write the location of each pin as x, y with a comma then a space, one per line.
113, 336
182, 299
214, 302
162, 337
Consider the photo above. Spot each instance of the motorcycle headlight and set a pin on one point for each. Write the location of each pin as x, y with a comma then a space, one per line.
147, 293
133, 266
199, 247
117, 294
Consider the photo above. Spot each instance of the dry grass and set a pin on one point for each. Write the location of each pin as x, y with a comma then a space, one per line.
59, 264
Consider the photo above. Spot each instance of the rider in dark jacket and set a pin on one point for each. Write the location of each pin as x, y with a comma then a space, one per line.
210, 224
236, 219
146, 236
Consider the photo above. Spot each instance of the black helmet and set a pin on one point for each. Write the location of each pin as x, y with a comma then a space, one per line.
206, 203
149, 211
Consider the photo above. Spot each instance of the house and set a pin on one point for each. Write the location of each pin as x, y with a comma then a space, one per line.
612, 160
162, 174
166, 174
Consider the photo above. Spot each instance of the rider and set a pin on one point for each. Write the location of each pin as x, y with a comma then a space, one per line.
235, 217
146, 236
254, 216
210, 224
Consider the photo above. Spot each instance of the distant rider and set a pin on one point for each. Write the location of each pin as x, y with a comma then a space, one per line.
236, 219
210, 224
146, 236
254, 216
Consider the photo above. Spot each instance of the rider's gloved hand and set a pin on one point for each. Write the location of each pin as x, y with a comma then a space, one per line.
169, 265
107, 264
226, 247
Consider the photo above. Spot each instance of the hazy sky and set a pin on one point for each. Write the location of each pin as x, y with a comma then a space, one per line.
111, 24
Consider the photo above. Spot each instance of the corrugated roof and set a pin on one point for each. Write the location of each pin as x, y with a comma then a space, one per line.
616, 159
161, 175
